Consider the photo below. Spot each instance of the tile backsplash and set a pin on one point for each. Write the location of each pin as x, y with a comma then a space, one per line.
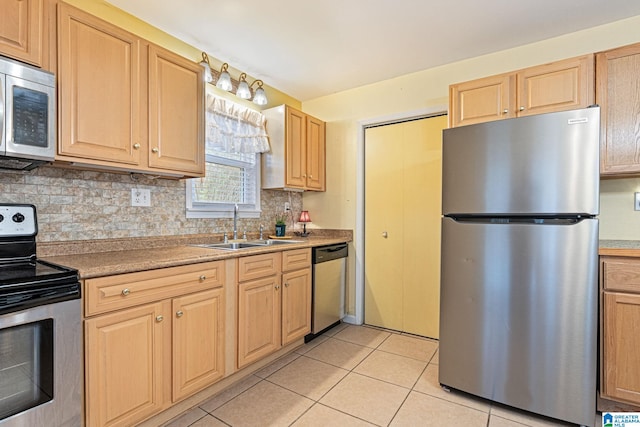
86, 205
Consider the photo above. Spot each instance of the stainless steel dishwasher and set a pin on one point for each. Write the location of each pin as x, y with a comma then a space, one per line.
329, 284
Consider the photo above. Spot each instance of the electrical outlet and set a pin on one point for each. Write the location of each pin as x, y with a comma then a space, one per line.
636, 205
287, 207
140, 197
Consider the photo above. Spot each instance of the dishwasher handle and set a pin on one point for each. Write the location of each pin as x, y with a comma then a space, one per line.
329, 253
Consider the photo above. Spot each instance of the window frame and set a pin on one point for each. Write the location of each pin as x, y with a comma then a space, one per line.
224, 210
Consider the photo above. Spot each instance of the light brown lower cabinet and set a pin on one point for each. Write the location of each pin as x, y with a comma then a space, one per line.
125, 365
198, 341
296, 297
274, 308
258, 319
167, 345
621, 329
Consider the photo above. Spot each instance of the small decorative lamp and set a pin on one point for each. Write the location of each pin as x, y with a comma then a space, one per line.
304, 219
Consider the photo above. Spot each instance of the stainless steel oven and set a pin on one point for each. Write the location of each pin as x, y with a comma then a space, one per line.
27, 116
40, 330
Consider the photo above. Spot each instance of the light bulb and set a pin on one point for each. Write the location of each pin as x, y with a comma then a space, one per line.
243, 90
260, 98
224, 81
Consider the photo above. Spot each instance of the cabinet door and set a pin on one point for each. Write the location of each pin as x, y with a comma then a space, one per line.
198, 341
315, 154
258, 319
22, 30
295, 149
296, 305
99, 89
176, 113
618, 94
124, 358
621, 344
558, 86
482, 100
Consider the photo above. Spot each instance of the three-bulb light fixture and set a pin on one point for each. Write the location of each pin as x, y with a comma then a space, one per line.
225, 82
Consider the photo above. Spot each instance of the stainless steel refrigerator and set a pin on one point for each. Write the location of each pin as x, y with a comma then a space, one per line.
519, 292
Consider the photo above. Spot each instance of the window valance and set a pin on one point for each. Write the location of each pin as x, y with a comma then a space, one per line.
234, 128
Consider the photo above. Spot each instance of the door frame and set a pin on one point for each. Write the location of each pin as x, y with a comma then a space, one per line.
358, 317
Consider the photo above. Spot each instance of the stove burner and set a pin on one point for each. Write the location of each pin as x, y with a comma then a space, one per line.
26, 281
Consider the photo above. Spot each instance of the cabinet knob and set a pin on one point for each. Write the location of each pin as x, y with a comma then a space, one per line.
310, 176
286, 285
155, 149
159, 318
521, 108
304, 176
136, 146
385, 234
125, 292
505, 111
179, 313
203, 278
277, 287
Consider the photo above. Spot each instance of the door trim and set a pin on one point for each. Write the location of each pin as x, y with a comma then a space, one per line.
358, 317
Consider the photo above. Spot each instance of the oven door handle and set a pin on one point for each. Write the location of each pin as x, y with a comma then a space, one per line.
22, 300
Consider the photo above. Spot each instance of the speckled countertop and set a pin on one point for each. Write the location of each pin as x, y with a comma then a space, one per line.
117, 256
629, 248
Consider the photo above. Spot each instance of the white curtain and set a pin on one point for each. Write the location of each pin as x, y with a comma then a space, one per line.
233, 128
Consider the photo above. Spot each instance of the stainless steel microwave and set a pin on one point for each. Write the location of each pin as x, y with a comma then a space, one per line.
27, 116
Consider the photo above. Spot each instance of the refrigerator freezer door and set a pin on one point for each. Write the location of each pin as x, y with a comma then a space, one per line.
518, 315
543, 164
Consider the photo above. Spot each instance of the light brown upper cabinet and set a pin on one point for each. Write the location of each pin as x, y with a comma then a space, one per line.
297, 157
22, 30
618, 94
557, 86
176, 113
125, 104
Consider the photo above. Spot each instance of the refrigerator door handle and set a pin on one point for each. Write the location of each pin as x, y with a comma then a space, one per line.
517, 220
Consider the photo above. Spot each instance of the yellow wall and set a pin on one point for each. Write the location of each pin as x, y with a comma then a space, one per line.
110, 13
428, 89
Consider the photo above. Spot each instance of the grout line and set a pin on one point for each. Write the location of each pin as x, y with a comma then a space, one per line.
237, 395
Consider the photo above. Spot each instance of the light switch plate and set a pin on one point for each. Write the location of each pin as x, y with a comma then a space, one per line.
140, 197
636, 205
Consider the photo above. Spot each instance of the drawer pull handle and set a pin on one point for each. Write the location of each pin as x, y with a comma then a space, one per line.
179, 313
125, 292
203, 278
159, 318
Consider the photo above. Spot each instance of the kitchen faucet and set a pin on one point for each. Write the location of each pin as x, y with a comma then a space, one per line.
235, 222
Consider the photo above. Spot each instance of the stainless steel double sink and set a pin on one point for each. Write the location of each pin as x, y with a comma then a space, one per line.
235, 246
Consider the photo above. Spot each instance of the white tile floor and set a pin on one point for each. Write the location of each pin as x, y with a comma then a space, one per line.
353, 376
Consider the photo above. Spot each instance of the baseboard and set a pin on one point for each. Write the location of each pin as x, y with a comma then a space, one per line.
350, 319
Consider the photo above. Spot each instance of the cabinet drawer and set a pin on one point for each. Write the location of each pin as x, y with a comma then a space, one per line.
256, 266
296, 259
621, 274
125, 290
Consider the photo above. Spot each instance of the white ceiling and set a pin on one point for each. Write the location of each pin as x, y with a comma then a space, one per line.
308, 49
